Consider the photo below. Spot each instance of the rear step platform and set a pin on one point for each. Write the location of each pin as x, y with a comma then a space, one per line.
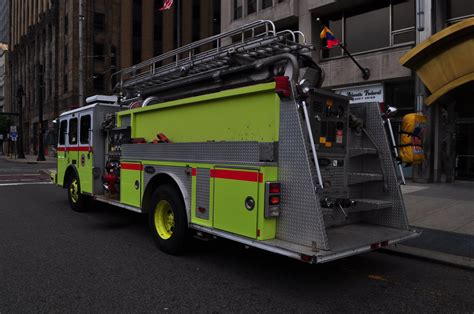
350, 237
344, 240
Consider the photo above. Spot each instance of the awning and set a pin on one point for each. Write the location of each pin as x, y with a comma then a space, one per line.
445, 60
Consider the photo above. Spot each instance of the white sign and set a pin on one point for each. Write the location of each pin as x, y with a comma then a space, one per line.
1, 137
13, 129
366, 93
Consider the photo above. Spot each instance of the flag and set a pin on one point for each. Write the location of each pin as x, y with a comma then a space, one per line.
167, 4
332, 41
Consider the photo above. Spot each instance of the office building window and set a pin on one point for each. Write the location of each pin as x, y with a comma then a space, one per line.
363, 29
251, 6
459, 9
137, 32
237, 9
99, 22
65, 83
99, 52
266, 3
66, 56
66, 25
98, 82
403, 22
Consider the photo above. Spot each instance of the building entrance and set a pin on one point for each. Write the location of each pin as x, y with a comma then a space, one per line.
465, 133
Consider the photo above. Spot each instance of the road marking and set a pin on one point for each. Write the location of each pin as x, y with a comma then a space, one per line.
24, 183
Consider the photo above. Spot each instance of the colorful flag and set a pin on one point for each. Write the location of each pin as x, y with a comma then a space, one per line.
167, 4
332, 41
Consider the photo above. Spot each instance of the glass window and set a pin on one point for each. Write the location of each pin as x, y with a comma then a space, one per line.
266, 3
99, 22
459, 8
237, 9
85, 129
62, 132
251, 6
73, 131
368, 30
99, 52
403, 13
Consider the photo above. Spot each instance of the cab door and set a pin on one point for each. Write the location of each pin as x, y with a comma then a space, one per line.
85, 155
61, 150
73, 142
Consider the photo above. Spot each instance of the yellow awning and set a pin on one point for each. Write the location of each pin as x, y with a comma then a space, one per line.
445, 60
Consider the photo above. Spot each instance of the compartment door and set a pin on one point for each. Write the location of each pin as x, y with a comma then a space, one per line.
131, 183
236, 200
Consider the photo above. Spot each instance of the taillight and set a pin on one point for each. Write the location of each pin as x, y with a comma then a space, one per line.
275, 188
272, 199
283, 86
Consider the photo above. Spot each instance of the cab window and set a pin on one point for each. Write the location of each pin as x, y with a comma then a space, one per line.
85, 129
62, 132
73, 131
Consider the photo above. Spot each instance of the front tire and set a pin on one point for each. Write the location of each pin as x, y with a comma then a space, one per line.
77, 201
168, 220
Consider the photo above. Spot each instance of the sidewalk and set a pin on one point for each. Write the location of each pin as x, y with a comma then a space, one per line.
445, 214
30, 159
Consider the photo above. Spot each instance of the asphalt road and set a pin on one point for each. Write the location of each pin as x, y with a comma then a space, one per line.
55, 260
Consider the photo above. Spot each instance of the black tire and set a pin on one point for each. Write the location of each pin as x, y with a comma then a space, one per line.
77, 201
165, 200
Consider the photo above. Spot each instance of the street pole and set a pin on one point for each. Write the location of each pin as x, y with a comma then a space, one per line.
20, 92
81, 53
39, 88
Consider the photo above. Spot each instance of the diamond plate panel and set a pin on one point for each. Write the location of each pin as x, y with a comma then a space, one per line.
219, 152
395, 216
203, 182
301, 219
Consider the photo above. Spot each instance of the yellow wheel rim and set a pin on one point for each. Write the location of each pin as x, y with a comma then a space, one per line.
164, 219
74, 191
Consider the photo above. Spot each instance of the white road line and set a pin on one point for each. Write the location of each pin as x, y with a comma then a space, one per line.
24, 183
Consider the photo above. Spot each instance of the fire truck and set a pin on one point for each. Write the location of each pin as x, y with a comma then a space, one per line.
233, 137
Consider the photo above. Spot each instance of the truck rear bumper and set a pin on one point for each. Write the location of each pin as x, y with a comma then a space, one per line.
376, 237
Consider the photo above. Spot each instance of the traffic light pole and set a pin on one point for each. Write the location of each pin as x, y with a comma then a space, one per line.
19, 96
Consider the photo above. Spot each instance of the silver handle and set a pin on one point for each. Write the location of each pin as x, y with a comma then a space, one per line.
313, 147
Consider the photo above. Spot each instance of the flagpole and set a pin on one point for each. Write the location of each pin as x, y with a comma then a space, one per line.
365, 71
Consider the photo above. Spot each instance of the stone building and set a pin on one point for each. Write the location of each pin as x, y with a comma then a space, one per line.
45, 52
378, 33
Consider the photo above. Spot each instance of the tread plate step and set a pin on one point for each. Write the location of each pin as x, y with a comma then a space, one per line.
360, 177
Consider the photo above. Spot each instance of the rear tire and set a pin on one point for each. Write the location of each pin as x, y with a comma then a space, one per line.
78, 202
168, 220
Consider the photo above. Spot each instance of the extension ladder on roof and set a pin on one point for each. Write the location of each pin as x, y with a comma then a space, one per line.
251, 42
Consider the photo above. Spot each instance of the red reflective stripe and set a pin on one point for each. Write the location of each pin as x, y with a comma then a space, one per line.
194, 172
74, 149
137, 167
237, 175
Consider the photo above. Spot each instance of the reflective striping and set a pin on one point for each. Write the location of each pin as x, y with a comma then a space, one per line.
237, 175
75, 149
127, 166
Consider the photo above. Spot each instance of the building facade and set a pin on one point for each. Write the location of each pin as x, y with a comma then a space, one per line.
4, 32
45, 58
378, 33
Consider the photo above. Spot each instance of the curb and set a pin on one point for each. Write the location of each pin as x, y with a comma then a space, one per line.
28, 162
460, 261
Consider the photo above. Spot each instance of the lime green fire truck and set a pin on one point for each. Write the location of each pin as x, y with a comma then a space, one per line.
233, 137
